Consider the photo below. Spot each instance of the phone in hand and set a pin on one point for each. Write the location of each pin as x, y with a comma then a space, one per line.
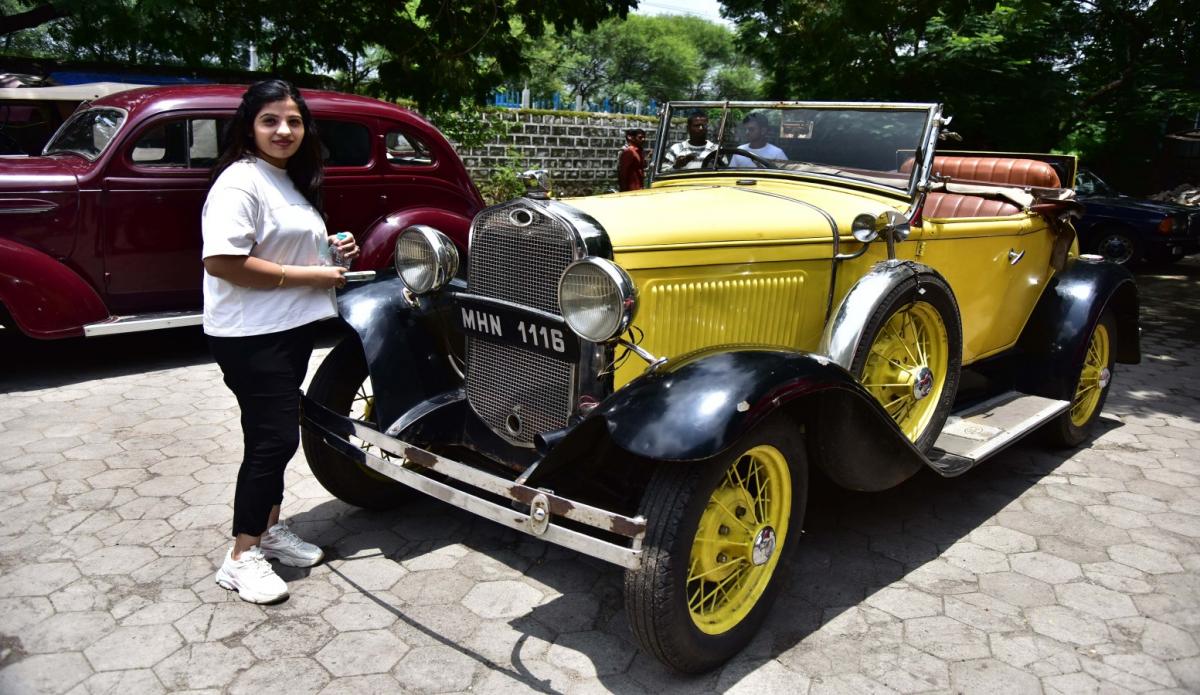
359, 275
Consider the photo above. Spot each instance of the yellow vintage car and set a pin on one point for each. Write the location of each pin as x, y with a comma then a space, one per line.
651, 378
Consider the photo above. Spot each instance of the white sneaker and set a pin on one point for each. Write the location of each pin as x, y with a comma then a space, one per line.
279, 543
252, 577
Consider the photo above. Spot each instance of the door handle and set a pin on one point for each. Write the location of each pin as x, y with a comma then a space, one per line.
1015, 256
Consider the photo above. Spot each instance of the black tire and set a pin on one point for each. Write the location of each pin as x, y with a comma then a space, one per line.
1118, 245
341, 380
675, 502
915, 295
1071, 428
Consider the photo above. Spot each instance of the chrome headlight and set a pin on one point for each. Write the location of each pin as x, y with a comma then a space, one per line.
597, 299
426, 259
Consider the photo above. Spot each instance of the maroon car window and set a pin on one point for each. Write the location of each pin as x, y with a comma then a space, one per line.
344, 144
87, 133
190, 144
405, 149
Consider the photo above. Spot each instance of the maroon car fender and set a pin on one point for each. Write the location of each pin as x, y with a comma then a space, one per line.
379, 242
45, 298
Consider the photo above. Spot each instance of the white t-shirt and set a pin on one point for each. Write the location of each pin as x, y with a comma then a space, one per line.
767, 151
681, 148
254, 209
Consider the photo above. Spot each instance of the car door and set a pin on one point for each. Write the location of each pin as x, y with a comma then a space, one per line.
153, 193
352, 188
997, 267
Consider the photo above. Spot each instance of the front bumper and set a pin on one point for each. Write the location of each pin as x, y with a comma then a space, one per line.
530, 510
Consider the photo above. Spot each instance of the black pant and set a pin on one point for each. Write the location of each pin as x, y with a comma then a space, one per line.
265, 373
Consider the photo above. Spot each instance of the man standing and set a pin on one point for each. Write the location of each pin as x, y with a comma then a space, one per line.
690, 153
631, 164
757, 127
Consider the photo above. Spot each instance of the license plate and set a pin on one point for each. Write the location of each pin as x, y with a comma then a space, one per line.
532, 331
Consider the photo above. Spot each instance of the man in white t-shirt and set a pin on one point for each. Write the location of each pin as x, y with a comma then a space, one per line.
757, 128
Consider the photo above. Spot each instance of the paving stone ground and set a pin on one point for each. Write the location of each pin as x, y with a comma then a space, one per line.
1041, 571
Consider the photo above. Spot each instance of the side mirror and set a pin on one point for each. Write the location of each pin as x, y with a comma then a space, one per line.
893, 224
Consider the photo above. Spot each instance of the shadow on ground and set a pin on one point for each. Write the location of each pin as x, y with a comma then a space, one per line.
855, 544
40, 364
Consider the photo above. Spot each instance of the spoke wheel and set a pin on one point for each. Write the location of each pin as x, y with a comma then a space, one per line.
909, 357
902, 365
746, 516
343, 385
716, 534
1091, 387
1118, 247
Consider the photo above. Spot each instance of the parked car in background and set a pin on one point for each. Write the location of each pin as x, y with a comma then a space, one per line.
30, 115
100, 234
652, 378
1127, 230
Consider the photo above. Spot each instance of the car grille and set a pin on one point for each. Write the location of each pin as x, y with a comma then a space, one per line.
521, 265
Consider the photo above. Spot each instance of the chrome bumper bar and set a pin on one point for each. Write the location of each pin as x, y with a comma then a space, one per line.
533, 511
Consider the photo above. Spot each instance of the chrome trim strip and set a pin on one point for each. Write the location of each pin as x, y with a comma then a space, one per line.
30, 210
144, 322
406, 473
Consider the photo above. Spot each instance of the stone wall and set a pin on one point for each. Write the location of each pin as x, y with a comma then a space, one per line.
579, 149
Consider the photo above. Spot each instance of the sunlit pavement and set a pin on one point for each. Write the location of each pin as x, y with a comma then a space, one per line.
1042, 571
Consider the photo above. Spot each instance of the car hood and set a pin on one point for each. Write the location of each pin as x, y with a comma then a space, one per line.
720, 211
19, 173
1157, 206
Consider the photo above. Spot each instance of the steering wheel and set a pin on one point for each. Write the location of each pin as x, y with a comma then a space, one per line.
730, 151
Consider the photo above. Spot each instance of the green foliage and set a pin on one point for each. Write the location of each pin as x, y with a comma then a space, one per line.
434, 51
504, 183
1101, 77
471, 126
641, 57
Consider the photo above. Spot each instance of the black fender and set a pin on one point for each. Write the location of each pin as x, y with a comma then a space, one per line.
1054, 341
697, 406
405, 344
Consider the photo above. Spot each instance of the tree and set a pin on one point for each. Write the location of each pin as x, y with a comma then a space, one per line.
434, 51
1098, 76
641, 57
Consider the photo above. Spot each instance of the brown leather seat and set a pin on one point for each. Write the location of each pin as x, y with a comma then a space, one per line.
942, 205
1008, 171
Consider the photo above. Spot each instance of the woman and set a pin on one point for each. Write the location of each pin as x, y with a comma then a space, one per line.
264, 289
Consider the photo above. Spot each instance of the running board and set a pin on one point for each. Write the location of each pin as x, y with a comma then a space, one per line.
978, 432
143, 322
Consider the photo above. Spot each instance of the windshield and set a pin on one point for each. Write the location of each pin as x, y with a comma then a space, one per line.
87, 133
870, 143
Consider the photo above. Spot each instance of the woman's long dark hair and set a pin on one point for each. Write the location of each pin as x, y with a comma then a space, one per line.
305, 168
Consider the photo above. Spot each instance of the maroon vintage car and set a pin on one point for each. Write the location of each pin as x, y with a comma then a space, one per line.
101, 234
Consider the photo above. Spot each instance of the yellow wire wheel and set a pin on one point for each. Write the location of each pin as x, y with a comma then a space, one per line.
1089, 391
906, 366
717, 532
909, 355
734, 552
1093, 378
